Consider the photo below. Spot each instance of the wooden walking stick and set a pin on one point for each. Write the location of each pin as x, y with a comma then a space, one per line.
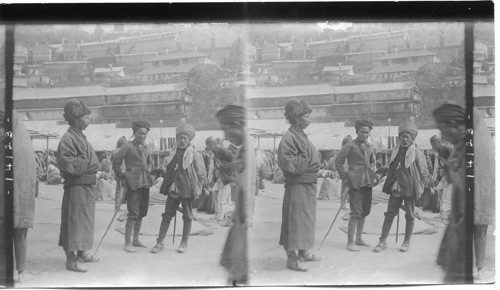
342, 202
120, 195
397, 228
175, 224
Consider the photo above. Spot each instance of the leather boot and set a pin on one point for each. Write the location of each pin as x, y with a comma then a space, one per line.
129, 228
359, 232
161, 236
408, 231
351, 229
137, 231
186, 230
72, 263
385, 232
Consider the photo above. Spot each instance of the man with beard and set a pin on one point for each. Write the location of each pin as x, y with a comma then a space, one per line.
137, 179
78, 163
407, 170
360, 175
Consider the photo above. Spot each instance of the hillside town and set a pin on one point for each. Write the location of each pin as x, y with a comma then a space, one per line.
174, 81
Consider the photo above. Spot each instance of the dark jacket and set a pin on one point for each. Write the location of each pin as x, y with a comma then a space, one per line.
138, 164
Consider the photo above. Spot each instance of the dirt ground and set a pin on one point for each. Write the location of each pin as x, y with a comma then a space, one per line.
199, 265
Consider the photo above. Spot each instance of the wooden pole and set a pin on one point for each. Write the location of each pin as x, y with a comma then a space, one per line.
47, 162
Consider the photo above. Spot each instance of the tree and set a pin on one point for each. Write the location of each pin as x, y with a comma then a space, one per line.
434, 89
208, 95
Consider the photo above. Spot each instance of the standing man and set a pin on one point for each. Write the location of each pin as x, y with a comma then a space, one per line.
407, 171
223, 177
299, 161
24, 193
182, 184
235, 253
137, 179
78, 163
454, 254
360, 175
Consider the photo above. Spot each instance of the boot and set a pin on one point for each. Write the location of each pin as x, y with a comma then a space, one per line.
161, 236
129, 228
186, 230
72, 263
385, 232
137, 231
359, 240
350, 235
408, 231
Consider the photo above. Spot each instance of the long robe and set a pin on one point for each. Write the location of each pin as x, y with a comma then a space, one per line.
78, 163
234, 256
299, 161
453, 251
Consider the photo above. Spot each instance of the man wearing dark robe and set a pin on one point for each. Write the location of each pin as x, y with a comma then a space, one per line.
78, 164
299, 161
360, 176
454, 254
137, 178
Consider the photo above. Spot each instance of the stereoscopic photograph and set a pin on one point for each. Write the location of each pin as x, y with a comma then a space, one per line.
250, 154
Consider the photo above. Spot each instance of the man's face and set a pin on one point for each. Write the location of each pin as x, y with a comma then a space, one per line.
233, 133
140, 134
405, 139
363, 133
303, 121
82, 122
436, 144
183, 141
211, 146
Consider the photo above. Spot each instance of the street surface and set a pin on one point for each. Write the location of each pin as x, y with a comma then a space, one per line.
199, 265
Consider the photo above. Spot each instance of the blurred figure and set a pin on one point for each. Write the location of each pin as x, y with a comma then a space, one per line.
359, 178
454, 254
78, 163
183, 182
484, 189
444, 187
234, 256
407, 172
24, 194
137, 178
299, 161
120, 188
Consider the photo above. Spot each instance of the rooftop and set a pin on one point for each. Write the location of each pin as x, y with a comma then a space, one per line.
144, 89
168, 69
291, 91
483, 91
409, 67
176, 55
329, 41
337, 68
108, 69
366, 52
97, 42
379, 34
406, 54
339, 90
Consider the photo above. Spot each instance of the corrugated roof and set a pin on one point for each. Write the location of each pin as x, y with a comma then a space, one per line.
144, 89
483, 91
338, 90
329, 41
337, 68
97, 42
64, 92
409, 67
168, 69
176, 55
135, 54
292, 91
108, 69
405, 54
365, 52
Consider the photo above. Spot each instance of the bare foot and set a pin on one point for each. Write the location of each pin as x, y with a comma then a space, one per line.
129, 248
352, 247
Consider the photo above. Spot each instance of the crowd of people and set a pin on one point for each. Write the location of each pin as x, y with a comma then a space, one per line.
227, 177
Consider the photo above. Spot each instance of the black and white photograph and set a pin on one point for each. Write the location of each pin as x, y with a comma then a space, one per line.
213, 154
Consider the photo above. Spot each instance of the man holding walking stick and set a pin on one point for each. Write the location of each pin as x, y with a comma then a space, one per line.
361, 160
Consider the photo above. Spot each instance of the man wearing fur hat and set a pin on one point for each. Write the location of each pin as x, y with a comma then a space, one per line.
359, 177
137, 179
299, 161
78, 164
405, 183
184, 179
